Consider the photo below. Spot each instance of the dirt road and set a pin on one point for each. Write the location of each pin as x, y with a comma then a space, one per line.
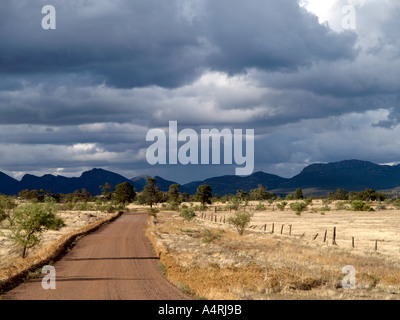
113, 263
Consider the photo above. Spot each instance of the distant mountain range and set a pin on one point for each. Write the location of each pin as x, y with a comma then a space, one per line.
318, 179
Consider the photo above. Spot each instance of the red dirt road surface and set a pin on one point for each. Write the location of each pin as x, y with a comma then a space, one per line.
113, 263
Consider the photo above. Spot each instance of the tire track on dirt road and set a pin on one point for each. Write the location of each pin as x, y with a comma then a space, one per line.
113, 263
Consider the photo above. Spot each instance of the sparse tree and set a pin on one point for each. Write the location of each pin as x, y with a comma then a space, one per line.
261, 193
240, 220
173, 193
151, 193
340, 194
26, 223
204, 194
242, 195
107, 191
298, 194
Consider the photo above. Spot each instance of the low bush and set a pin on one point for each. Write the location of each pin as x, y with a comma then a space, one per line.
240, 220
260, 207
298, 207
281, 206
359, 205
187, 214
209, 236
152, 211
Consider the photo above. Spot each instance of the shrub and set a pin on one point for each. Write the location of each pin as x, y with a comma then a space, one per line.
240, 220
185, 289
396, 203
152, 211
325, 208
341, 206
298, 207
187, 214
234, 204
260, 206
6, 205
281, 206
209, 236
173, 206
359, 205
381, 206
308, 201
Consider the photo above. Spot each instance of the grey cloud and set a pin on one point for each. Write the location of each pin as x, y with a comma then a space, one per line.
133, 44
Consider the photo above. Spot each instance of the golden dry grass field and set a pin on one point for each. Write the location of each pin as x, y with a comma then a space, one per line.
296, 261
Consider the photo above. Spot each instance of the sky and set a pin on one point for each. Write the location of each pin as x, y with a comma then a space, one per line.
85, 95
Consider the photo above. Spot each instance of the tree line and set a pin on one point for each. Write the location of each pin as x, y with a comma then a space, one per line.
126, 193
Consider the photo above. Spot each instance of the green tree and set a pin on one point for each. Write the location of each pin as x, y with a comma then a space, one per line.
340, 194
26, 224
289, 196
204, 194
242, 195
30, 195
151, 193
184, 197
124, 192
173, 193
240, 220
298, 194
261, 193
107, 191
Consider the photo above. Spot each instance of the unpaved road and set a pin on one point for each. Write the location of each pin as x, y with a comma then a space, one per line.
113, 263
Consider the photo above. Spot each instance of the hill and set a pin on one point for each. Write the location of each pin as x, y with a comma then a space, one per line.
89, 180
352, 175
229, 184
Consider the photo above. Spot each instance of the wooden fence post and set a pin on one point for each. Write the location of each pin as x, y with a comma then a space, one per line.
290, 229
282, 228
326, 231
334, 236
273, 226
376, 245
352, 242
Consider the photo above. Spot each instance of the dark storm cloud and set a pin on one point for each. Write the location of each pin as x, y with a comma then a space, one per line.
156, 42
84, 95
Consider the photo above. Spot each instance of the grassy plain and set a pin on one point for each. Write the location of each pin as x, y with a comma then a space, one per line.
296, 261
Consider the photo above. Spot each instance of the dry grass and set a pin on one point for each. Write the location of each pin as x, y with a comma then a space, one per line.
261, 265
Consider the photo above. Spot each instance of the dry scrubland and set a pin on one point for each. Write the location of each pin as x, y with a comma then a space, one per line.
220, 264
76, 223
